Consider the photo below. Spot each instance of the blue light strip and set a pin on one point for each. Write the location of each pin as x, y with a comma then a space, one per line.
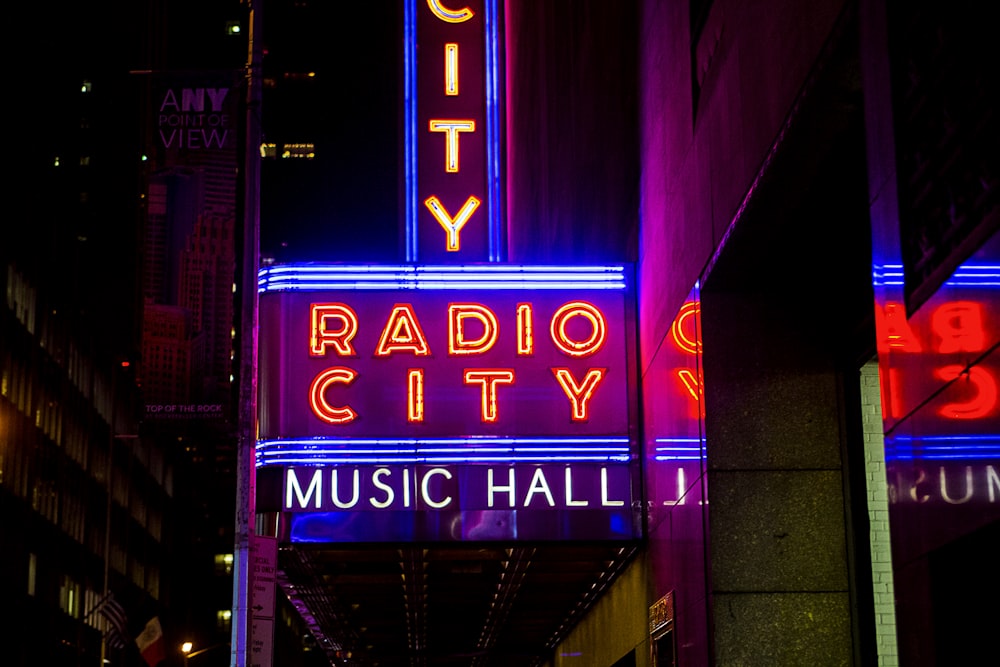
327, 451
493, 175
943, 448
685, 449
492, 87
410, 110
967, 275
310, 277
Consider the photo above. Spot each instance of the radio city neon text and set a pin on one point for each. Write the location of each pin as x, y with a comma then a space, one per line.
333, 327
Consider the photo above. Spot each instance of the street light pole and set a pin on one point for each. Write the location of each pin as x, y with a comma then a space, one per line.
247, 415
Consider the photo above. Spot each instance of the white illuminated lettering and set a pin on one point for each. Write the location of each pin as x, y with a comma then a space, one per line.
539, 485
921, 477
335, 490
569, 491
491, 488
968, 488
605, 502
951, 485
425, 492
390, 495
292, 486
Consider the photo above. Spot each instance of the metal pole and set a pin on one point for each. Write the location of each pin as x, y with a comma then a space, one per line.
107, 522
247, 416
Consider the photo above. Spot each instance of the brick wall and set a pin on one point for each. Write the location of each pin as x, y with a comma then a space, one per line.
878, 514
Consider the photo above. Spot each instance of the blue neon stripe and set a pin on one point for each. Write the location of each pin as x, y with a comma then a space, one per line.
313, 277
319, 451
966, 275
410, 111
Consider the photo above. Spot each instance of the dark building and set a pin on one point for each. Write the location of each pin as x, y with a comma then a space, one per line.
97, 497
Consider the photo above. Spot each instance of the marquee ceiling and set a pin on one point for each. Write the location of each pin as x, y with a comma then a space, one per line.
484, 605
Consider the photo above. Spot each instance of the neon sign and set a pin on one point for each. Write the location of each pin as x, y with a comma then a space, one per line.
439, 488
438, 362
449, 390
452, 132
403, 334
957, 330
936, 350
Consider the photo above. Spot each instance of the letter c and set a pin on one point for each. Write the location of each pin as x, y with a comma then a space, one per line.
450, 15
317, 395
425, 488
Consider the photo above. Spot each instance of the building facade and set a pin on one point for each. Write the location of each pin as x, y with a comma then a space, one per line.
818, 234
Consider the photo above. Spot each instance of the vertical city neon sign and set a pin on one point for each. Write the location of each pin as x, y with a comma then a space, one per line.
452, 174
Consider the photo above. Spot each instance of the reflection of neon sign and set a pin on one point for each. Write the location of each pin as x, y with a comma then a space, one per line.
957, 326
949, 485
983, 400
684, 330
685, 336
953, 328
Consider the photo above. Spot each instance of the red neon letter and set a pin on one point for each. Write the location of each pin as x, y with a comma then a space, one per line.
402, 333
892, 399
450, 15
579, 394
574, 348
451, 69
317, 395
525, 330
897, 332
457, 342
695, 387
415, 395
452, 225
489, 378
682, 339
451, 128
340, 339
981, 404
960, 327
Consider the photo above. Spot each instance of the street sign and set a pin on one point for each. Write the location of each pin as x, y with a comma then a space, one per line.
263, 567
263, 570
261, 642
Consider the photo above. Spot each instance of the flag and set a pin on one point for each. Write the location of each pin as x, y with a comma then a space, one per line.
112, 610
150, 643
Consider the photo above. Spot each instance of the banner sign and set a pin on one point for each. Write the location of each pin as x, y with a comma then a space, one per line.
189, 251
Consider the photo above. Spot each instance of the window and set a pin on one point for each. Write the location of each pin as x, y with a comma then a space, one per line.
223, 620
307, 151
223, 564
